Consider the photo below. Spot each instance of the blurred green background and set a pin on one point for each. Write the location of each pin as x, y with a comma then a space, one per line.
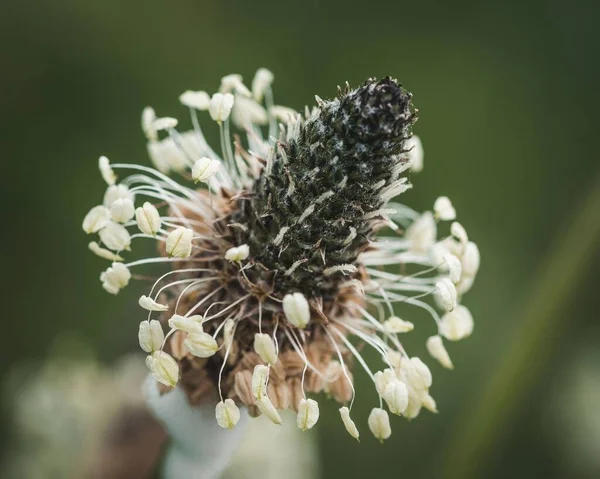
508, 98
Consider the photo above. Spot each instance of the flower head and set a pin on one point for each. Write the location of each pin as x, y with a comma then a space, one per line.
277, 265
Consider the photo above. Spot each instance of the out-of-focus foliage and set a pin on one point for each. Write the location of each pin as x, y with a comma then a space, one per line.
508, 100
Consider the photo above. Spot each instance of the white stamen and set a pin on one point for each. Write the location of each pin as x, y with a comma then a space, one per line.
150, 305
106, 171
97, 218
379, 424
103, 252
308, 414
436, 348
227, 414
150, 335
443, 209
198, 100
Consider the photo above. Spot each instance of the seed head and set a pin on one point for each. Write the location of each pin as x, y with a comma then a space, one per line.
278, 265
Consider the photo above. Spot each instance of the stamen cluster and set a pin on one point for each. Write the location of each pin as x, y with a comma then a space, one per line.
277, 270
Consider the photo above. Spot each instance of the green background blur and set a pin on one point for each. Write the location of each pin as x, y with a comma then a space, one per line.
508, 98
